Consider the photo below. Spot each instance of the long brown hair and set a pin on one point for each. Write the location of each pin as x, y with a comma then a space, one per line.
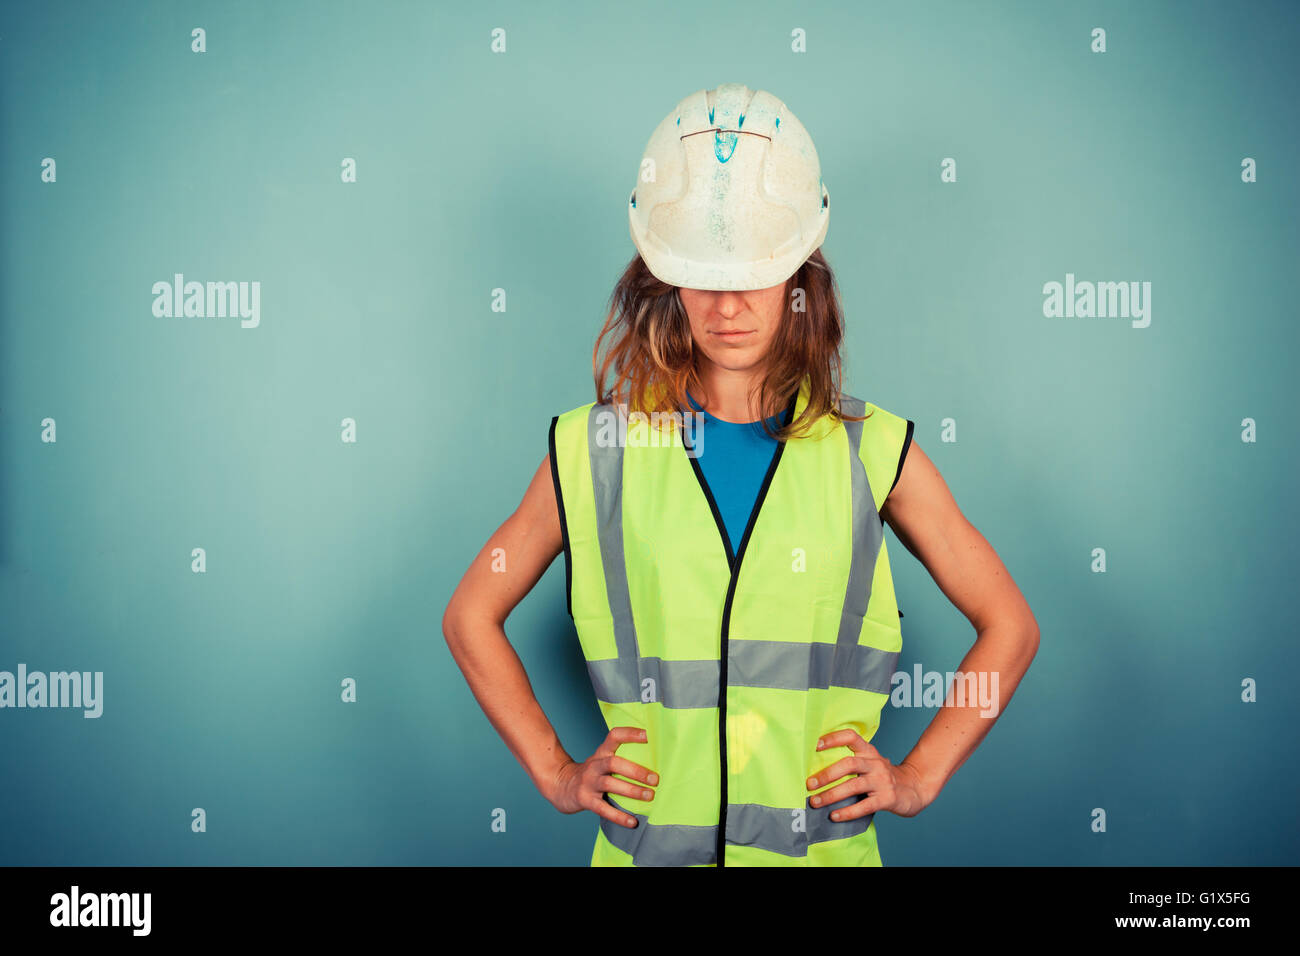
653, 353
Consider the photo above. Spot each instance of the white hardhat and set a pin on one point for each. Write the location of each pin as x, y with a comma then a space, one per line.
730, 193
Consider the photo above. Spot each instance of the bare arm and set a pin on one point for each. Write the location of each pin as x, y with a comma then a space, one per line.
926, 519
473, 625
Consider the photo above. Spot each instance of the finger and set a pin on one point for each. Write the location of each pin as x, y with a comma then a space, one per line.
604, 808
621, 735
846, 789
856, 810
627, 768
847, 738
840, 768
615, 785
837, 738
621, 765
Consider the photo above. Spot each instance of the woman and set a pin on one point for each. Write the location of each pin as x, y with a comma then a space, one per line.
719, 509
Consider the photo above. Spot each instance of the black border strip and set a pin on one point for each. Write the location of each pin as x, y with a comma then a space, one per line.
564, 524
713, 506
907, 443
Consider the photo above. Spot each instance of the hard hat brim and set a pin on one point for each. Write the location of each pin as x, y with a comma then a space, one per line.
719, 277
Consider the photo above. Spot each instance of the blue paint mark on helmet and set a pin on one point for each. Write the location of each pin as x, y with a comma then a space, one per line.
742, 121
724, 141
679, 121
710, 114
778, 122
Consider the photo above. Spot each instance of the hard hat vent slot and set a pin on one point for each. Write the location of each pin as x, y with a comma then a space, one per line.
724, 144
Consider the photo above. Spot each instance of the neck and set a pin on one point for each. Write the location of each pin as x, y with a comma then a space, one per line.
732, 393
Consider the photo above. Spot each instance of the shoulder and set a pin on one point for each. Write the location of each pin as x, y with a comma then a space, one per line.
876, 413
885, 440
567, 439
879, 421
567, 421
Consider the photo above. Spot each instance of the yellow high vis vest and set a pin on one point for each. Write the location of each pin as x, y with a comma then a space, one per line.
734, 655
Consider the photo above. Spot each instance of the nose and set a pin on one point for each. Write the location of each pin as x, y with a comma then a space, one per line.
729, 304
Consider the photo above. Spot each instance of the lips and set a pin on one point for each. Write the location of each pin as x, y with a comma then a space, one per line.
729, 334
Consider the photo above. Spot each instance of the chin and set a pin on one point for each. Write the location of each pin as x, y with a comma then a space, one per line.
734, 362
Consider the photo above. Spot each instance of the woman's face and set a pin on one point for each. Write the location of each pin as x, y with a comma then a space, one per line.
734, 329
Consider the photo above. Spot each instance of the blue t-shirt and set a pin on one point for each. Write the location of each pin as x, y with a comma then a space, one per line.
734, 459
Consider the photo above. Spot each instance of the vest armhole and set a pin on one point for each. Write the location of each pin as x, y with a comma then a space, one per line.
564, 525
902, 455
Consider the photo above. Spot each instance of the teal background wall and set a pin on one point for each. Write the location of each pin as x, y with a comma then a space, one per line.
478, 171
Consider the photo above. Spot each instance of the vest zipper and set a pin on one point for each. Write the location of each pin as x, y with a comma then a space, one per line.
733, 561
722, 716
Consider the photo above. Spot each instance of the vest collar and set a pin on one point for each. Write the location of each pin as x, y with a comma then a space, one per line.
736, 550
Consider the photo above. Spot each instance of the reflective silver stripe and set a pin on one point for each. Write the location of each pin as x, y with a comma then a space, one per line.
748, 824
794, 666
661, 844
679, 684
787, 665
607, 483
867, 535
772, 828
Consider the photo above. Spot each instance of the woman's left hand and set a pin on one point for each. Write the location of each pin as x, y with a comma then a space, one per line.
896, 788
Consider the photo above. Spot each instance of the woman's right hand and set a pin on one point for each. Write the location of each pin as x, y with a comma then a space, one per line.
581, 786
